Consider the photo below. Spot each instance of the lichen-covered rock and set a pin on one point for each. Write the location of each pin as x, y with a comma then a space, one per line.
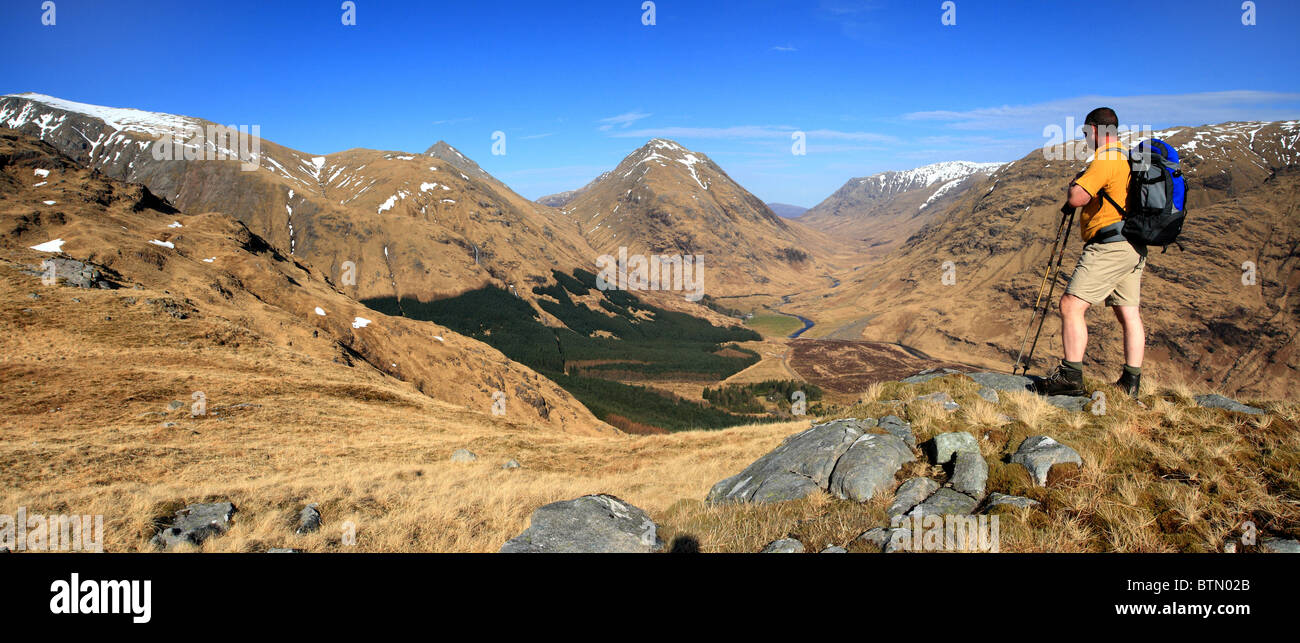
945, 502
897, 427
1216, 401
945, 445
801, 465
1039, 453
1279, 546
784, 546
309, 519
463, 455
1002, 381
590, 524
196, 523
887, 540
911, 493
970, 473
868, 467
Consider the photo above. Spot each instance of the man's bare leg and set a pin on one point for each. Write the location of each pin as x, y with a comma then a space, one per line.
1074, 328
1134, 334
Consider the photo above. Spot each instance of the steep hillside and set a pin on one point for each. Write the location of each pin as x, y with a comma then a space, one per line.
881, 210
187, 288
666, 199
411, 225
1201, 317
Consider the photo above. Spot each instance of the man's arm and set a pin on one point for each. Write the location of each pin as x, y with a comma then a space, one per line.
1077, 196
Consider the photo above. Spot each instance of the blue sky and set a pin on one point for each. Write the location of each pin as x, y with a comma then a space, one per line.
577, 85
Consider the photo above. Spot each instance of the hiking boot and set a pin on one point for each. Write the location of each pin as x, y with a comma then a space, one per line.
1061, 381
1130, 383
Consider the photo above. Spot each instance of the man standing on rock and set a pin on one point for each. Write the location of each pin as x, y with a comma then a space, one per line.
1110, 267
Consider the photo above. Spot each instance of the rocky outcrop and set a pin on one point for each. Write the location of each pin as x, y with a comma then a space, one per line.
79, 274
590, 524
195, 524
784, 546
946, 445
308, 519
911, 493
970, 473
1039, 453
868, 467
945, 502
1216, 401
850, 458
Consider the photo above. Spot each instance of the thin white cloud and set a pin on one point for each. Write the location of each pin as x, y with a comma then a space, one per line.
622, 120
1157, 110
453, 121
784, 48
534, 136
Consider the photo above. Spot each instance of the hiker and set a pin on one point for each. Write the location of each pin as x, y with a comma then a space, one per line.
1110, 267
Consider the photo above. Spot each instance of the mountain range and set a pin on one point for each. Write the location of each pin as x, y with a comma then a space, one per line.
865, 265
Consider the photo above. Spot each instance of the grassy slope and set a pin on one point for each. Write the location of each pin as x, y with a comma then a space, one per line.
373, 451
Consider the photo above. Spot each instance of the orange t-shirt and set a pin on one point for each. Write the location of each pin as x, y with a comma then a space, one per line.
1108, 171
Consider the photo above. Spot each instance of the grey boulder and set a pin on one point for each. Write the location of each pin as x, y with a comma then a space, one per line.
463, 455
945, 445
970, 473
590, 524
784, 546
1279, 546
308, 519
1068, 402
945, 502
1002, 381
897, 427
801, 465
195, 524
911, 493
1216, 401
1039, 453
71, 272
868, 467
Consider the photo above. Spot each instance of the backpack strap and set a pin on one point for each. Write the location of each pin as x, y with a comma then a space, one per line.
1102, 194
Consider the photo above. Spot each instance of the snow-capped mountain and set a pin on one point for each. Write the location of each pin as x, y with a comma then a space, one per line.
882, 209
400, 218
945, 173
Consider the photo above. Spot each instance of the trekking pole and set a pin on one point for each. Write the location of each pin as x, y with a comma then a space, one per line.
1049, 276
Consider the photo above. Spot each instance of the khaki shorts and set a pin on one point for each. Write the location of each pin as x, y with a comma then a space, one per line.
1109, 271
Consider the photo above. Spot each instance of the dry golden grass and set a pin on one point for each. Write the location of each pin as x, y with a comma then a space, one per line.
85, 402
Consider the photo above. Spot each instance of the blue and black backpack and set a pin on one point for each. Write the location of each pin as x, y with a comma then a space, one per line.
1156, 195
